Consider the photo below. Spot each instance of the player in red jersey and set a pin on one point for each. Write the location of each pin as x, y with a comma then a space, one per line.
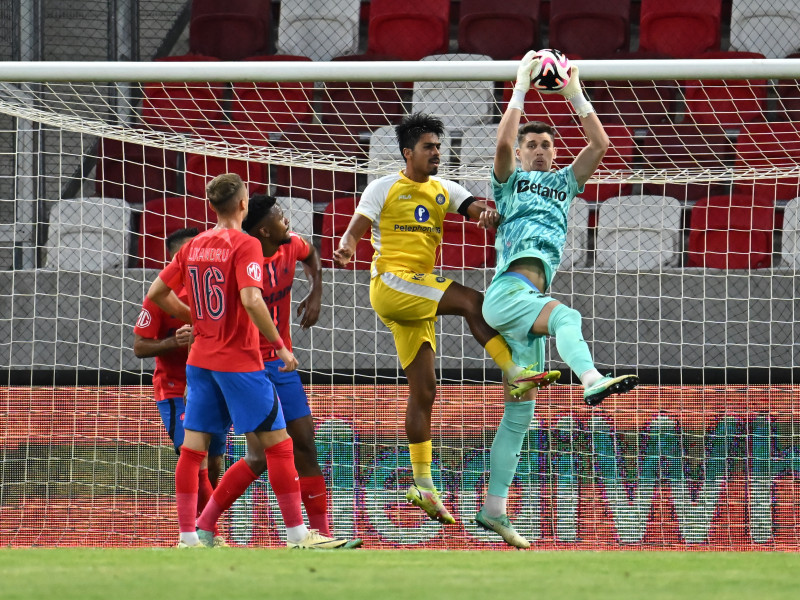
221, 270
159, 335
282, 250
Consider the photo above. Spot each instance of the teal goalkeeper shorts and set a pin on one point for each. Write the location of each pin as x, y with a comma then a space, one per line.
511, 306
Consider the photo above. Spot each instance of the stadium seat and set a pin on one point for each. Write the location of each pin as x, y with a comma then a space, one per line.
319, 186
408, 29
637, 233
680, 28
200, 169
334, 223
790, 243
590, 28
769, 27
769, 145
259, 109
577, 247
162, 216
501, 31
230, 30
88, 234
465, 245
570, 140
549, 108
690, 147
192, 107
731, 232
318, 29
477, 152
729, 103
300, 214
457, 103
385, 156
134, 172
788, 93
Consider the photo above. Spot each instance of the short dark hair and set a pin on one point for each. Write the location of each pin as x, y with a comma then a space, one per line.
222, 189
174, 238
411, 128
535, 127
260, 205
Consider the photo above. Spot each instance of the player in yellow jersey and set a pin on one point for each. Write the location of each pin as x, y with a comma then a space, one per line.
406, 212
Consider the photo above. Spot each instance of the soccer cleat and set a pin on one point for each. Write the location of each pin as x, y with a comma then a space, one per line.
182, 544
353, 544
529, 379
594, 394
219, 542
316, 541
502, 526
429, 501
206, 538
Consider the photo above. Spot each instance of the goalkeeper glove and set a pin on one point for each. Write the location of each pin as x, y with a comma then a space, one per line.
528, 64
574, 93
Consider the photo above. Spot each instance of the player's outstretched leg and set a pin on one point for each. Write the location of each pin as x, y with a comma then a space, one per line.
428, 499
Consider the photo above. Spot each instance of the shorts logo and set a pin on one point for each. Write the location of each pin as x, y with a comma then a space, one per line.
144, 319
440, 199
254, 271
440, 280
421, 214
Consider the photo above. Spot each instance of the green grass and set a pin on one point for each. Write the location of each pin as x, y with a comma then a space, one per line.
153, 574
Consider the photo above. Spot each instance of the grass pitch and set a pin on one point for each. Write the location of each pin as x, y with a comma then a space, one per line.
152, 574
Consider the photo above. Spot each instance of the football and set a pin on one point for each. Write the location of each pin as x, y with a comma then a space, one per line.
553, 72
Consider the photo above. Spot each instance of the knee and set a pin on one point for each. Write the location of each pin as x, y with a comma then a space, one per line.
256, 461
563, 315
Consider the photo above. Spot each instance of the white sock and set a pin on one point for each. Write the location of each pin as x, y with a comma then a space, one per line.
424, 482
297, 534
513, 371
591, 377
494, 506
190, 538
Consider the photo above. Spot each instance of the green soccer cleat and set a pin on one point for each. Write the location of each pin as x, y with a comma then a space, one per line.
502, 526
206, 538
429, 501
353, 544
529, 379
594, 394
316, 541
199, 544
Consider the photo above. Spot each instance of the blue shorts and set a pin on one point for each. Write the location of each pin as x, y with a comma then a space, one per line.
294, 401
217, 398
511, 305
172, 412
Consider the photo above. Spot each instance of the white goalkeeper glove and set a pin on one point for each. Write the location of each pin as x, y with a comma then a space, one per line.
574, 93
528, 64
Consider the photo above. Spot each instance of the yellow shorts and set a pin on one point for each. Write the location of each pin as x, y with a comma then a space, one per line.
407, 302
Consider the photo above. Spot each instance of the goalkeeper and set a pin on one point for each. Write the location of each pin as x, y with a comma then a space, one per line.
532, 202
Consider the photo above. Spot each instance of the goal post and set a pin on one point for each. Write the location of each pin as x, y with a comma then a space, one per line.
681, 257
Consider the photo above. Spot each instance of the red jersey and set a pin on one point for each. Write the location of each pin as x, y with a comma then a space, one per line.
169, 378
278, 277
214, 266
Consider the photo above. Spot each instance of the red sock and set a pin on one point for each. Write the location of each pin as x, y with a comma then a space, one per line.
315, 499
284, 481
186, 485
204, 494
230, 487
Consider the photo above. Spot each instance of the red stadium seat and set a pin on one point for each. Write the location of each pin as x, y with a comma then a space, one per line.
765, 145
409, 29
161, 217
570, 141
501, 31
334, 223
261, 108
590, 28
465, 245
191, 107
680, 28
788, 92
731, 232
134, 172
231, 30
201, 169
729, 103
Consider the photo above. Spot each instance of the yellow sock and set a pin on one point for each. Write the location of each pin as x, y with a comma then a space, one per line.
421, 459
501, 354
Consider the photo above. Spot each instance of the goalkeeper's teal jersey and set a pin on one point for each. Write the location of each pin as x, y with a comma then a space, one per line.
533, 206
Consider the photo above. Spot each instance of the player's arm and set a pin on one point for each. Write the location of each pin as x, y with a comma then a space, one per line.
165, 298
589, 157
505, 161
347, 244
254, 304
485, 215
309, 306
147, 347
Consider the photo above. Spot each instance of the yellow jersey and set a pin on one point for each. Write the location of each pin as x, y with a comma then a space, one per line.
407, 220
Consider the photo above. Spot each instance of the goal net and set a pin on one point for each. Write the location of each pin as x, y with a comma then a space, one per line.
681, 257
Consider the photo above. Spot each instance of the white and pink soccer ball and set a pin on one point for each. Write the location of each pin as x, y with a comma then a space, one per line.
553, 73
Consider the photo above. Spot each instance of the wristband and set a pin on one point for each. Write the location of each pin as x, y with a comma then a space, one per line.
581, 105
277, 344
517, 100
